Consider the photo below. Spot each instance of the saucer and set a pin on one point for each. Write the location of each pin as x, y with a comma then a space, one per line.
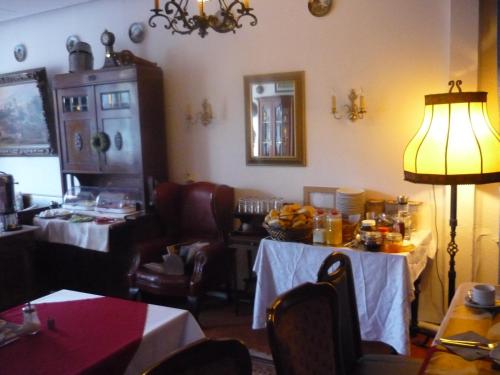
470, 303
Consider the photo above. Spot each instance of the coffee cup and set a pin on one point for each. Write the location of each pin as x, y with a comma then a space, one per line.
483, 294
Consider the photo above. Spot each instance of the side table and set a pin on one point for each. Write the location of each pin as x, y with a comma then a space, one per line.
248, 242
16, 266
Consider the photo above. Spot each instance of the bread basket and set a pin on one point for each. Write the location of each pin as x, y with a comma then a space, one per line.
290, 235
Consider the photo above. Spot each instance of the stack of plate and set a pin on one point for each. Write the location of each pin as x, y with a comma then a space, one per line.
350, 201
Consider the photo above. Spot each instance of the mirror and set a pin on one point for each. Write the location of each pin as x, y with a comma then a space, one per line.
274, 112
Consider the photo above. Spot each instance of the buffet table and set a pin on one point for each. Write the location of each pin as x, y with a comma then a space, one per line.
384, 283
94, 334
89, 235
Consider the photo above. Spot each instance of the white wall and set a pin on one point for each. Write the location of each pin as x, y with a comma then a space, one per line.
395, 51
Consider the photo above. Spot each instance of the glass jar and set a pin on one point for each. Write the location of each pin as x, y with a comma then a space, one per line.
373, 241
367, 225
393, 242
31, 322
333, 234
319, 228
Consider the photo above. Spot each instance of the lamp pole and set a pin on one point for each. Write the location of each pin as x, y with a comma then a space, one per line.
452, 246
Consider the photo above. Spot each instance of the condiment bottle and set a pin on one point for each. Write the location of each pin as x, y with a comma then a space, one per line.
333, 234
319, 228
31, 323
393, 242
403, 219
367, 225
373, 241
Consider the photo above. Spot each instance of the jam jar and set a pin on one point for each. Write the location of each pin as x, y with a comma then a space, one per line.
373, 241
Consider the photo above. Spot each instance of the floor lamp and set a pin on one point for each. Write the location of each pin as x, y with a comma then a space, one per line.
455, 145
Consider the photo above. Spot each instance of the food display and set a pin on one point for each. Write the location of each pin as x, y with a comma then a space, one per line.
116, 202
104, 200
290, 216
80, 198
292, 222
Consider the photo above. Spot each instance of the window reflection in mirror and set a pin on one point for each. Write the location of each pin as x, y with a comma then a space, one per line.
274, 105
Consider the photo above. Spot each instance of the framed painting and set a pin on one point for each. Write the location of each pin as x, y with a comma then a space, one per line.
26, 117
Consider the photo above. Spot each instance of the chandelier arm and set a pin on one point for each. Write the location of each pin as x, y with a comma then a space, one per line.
177, 19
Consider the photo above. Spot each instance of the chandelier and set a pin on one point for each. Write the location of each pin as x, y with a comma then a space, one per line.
225, 19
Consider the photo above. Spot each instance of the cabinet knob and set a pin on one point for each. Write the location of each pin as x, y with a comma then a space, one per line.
100, 142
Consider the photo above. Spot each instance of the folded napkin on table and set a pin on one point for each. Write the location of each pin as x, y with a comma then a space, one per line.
469, 354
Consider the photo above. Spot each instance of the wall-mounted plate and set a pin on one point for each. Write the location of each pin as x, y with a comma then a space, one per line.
20, 52
71, 41
136, 32
319, 8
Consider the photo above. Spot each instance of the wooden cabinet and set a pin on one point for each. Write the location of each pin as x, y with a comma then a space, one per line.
111, 128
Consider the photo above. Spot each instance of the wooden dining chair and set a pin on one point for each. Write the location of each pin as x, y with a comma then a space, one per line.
302, 327
359, 356
342, 278
206, 357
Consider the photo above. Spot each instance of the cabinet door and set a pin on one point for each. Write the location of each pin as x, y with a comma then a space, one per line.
77, 125
117, 118
275, 119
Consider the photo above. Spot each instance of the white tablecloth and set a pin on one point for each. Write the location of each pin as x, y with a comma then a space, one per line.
89, 235
383, 283
166, 329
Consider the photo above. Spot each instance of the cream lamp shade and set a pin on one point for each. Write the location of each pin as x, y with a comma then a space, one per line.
456, 143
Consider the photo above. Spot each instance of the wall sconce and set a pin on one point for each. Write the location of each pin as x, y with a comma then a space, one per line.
204, 117
353, 112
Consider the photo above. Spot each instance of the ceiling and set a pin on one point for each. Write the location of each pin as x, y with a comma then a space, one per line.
10, 9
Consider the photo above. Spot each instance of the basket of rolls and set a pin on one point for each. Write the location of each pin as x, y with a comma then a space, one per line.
292, 222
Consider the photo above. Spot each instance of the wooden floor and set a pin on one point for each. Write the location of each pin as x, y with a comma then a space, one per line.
218, 319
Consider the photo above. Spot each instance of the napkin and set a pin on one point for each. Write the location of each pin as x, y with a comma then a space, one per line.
470, 354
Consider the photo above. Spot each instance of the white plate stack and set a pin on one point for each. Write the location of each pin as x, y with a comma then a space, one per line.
350, 201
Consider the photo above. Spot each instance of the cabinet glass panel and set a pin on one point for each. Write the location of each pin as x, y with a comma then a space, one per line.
115, 100
75, 103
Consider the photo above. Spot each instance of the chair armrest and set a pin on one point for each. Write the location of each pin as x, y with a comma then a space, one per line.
146, 252
208, 266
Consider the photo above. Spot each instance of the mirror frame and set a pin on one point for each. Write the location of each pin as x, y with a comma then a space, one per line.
300, 146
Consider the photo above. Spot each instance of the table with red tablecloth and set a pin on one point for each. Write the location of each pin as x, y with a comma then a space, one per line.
95, 334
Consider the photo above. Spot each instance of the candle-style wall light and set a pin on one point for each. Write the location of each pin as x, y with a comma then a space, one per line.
204, 116
352, 111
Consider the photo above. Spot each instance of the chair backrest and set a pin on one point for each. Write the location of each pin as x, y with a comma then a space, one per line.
200, 210
303, 331
207, 357
336, 269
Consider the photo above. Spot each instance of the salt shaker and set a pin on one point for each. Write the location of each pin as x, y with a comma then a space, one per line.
31, 322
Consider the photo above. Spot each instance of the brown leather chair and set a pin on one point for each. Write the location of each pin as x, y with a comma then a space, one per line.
207, 357
343, 279
200, 211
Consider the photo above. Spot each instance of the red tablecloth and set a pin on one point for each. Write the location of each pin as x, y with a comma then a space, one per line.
97, 336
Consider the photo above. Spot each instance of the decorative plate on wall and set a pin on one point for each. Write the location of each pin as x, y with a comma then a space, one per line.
319, 8
136, 32
20, 52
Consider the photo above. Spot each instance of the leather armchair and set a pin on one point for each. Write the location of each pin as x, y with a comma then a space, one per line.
201, 211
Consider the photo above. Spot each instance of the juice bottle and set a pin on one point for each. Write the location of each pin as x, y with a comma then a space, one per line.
333, 234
